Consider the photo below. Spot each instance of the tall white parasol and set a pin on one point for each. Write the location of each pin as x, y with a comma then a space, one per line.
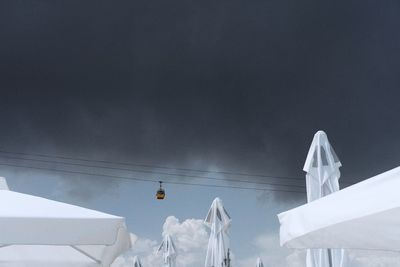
137, 262
322, 178
169, 251
259, 263
218, 245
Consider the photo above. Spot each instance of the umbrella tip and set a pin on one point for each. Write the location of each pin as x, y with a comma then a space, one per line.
217, 201
3, 184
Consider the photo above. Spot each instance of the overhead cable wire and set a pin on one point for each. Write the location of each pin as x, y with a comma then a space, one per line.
152, 172
147, 180
152, 166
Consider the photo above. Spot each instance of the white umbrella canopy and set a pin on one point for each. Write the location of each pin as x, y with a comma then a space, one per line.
39, 256
32, 227
219, 221
322, 168
168, 249
363, 216
259, 263
3, 184
137, 262
322, 178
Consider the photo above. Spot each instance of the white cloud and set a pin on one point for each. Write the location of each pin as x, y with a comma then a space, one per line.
144, 248
190, 237
266, 246
363, 258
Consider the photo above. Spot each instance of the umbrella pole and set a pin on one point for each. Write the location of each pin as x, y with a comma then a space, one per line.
330, 257
227, 260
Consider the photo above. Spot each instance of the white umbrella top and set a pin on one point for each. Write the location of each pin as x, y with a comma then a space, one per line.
322, 167
137, 262
3, 184
218, 218
218, 245
168, 249
259, 263
321, 158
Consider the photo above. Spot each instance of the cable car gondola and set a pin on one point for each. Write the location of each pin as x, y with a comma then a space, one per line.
160, 192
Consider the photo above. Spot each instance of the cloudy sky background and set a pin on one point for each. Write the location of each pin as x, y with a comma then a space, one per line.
226, 85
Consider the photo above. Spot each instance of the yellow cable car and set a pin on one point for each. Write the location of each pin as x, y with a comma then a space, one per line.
160, 192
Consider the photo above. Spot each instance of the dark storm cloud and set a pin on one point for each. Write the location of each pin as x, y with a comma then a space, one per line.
235, 84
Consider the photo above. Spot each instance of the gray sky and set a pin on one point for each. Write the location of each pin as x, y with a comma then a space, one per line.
216, 85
